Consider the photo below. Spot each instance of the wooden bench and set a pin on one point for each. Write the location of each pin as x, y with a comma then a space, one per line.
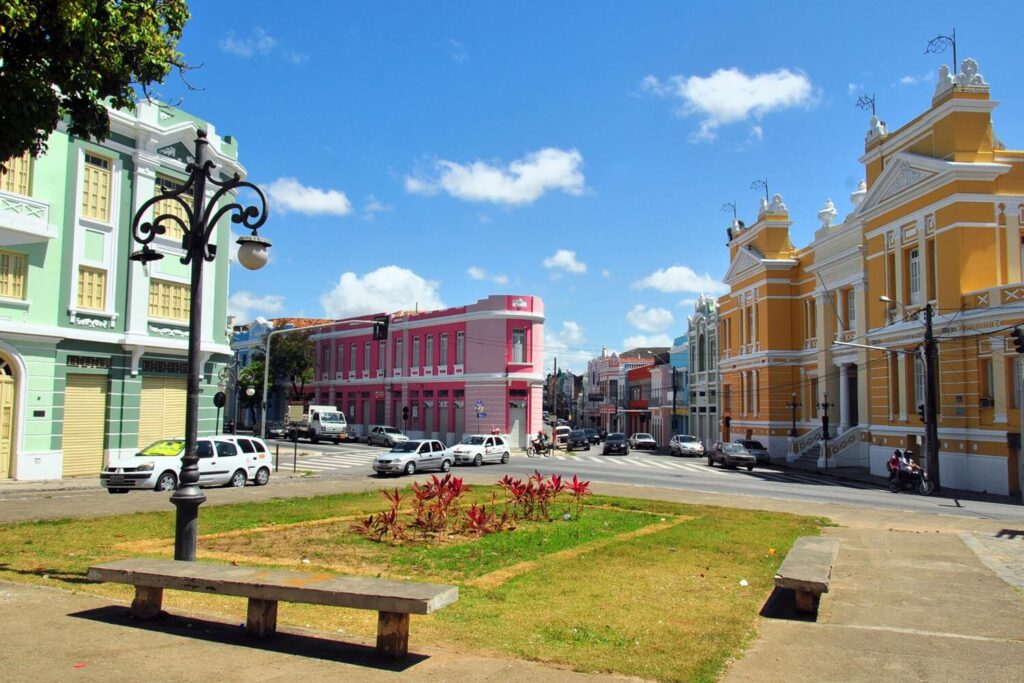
393, 600
807, 569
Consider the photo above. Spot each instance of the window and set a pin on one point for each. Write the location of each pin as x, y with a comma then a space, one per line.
339, 366
18, 178
460, 348
96, 188
352, 359
713, 355
915, 276
518, 346
851, 310
169, 300
918, 382
444, 351
429, 360
382, 352
416, 361
327, 361
12, 274
398, 355
171, 206
701, 354
987, 378
366, 358
92, 288
1017, 392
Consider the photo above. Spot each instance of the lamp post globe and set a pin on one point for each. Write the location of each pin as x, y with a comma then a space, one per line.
252, 251
250, 391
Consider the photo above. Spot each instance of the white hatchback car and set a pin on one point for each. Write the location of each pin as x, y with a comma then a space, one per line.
684, 444
223, 461
480, 448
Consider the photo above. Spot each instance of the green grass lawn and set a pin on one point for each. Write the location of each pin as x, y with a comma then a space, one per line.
637, 587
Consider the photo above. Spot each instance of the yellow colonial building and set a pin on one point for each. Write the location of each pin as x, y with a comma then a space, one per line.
937, 220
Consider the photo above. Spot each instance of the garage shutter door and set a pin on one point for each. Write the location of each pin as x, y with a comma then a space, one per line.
162, 409
85, 413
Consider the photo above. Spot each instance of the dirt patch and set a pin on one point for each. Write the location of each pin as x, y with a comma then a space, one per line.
500, 576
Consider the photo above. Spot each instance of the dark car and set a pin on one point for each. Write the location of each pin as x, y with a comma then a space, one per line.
577, 440
275, 430
616, 443
730, 455
756, 449
593, 435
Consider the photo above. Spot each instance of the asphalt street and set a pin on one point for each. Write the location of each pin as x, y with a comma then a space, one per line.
325, 468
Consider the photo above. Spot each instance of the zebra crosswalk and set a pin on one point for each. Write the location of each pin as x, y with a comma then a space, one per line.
340, 460
643, 463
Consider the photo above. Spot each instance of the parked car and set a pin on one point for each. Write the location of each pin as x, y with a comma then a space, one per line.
684, 444
223, 461
275, 430
730, 455
480, 448
592, 435
352, 433
756, 449
616, 443
577, 440
561, 436
642, 440
385, 435
410, 457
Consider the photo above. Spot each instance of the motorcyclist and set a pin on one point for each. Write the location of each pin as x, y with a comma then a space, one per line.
894, 464
541, 442
907, 467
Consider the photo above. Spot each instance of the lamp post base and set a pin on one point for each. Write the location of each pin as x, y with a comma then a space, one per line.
186, 521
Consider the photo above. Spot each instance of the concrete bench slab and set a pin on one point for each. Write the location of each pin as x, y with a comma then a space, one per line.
393, 600
807, 569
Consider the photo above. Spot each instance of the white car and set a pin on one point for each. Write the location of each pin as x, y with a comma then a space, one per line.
223, 461
410, 457
684, 444
642, 440
480, 448
385, 435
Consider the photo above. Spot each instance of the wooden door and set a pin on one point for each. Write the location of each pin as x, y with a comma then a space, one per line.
85, 416
7, 398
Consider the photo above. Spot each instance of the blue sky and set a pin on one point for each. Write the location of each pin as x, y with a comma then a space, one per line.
434, 153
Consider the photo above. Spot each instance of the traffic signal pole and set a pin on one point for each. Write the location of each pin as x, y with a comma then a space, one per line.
931, 399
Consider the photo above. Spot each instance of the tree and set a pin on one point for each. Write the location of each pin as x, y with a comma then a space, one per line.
70, 59
291, 357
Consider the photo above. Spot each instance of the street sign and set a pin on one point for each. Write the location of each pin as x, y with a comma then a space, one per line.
481, 415
479, 407
219, 399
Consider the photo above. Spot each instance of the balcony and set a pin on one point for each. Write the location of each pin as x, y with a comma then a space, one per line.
24, 220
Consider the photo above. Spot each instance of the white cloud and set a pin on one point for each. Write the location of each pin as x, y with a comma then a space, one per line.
914, 80
478, 273
288, 194
646, 340
687, 303
649, 319
853, 89
756, 134
373, 207
567, 346
729, 96
295, 58
606, 273
259, 43
245, 305
457, 50
521, 182
565, 260
390, 288
680, 279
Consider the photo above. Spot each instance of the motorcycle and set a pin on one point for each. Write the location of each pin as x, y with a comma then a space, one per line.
912, 481
536, 448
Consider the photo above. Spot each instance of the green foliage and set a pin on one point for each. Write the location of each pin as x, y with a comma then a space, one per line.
291, 357
68, 58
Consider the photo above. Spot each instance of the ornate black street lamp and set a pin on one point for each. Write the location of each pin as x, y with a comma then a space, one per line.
202, 217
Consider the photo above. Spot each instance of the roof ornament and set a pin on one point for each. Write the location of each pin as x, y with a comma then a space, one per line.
761, 184
827, 214
945, 80
857, 196
776, 205
969, 75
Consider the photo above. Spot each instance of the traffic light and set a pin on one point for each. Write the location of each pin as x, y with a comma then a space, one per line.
1018, 339
405, 412
380, 327
920, 411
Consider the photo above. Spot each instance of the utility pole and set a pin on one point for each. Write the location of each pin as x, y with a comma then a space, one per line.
931, 391
554, 399
825, 405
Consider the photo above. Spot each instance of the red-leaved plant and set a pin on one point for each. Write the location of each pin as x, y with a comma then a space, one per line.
385, 523
436, 502
579, 489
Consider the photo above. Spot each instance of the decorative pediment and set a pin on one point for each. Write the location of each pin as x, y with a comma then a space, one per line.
905, 172
742, 266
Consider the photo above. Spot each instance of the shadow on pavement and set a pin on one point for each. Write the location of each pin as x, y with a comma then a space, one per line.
804, 477
56, 574
282, 642
781, 604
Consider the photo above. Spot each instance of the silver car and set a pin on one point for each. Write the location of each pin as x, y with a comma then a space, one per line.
756, 449
385, 435
684, 444
410, 457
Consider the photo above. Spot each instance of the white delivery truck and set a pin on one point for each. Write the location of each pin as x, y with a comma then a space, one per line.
316, 423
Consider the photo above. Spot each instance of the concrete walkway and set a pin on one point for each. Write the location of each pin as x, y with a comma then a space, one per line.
911, 600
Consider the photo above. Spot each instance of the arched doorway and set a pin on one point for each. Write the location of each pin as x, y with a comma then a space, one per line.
8, 401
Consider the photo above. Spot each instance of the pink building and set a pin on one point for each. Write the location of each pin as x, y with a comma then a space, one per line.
436, 367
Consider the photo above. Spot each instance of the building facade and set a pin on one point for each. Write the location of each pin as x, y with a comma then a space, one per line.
703, 352
679, 400
607, 396
92, 345
937, 221
437, 367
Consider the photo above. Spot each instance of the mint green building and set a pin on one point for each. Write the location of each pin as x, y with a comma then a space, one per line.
92, 345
